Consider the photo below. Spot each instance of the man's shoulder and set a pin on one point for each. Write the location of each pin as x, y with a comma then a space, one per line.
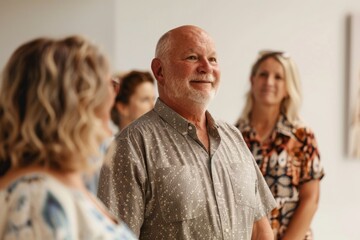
143, 124
226, 126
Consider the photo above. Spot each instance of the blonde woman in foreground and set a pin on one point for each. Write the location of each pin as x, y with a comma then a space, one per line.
55, 98
283, 147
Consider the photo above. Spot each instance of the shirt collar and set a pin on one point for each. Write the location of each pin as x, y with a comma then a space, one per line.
282, 126
177, 121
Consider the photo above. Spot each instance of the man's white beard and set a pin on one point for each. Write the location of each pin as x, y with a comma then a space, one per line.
181, 92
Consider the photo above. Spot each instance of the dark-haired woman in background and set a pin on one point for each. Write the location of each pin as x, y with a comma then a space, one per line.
136, 96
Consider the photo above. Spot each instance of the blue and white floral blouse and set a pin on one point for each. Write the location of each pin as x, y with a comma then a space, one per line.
37, 206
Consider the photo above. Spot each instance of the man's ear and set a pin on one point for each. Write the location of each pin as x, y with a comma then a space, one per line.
122, 109
156, 67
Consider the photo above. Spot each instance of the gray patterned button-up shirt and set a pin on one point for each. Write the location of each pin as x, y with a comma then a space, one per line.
163, 183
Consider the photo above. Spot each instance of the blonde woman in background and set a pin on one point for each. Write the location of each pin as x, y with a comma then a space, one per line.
55, 99
284, 148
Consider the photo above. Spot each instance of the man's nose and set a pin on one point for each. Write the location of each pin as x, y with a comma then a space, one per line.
205, 66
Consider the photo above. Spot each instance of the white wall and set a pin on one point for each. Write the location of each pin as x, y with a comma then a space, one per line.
313, 32
21, 21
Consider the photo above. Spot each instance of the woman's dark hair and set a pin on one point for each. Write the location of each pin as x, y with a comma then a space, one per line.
128, 84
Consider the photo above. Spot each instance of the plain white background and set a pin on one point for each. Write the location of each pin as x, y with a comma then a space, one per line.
313, 32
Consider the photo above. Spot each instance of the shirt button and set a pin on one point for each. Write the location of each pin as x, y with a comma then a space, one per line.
227, 230
190, 127
219, 193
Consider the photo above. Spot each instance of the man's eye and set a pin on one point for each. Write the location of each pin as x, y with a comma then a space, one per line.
191, 58
213, 59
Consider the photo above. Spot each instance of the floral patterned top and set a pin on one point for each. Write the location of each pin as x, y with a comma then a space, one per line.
289, 158
37, 206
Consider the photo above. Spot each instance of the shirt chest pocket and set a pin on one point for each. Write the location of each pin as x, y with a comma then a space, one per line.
244, 185
179, 193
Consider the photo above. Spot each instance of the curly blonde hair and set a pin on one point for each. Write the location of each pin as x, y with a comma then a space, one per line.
51, 94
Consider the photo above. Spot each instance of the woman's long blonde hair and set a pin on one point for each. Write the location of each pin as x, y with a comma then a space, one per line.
290, 106
50, 95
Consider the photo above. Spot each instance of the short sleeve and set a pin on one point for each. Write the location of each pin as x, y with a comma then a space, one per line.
308, 154
265, 201
264, 198
122, 182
